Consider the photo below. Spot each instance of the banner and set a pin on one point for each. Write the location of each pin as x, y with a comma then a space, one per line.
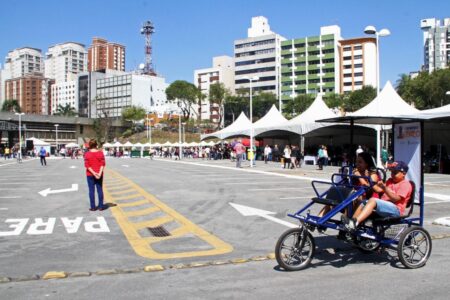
407, 139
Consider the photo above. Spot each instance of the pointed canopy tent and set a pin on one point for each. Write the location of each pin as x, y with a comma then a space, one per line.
241, 126
272, 118
138, 145
306, 121
107, 145
38, 142
154, 145
167, 144
117, 144
128, 144
72, 145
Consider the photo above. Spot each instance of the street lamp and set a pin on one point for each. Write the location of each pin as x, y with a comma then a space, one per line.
20, 135
447, 93
149, 130
251, 79
56, 139
184, 131
383, 32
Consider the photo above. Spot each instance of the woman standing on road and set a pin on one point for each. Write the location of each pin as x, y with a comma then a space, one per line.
94, 161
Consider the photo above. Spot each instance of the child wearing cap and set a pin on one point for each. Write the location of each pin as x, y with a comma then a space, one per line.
396, 194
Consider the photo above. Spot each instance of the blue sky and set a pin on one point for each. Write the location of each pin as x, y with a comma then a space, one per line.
189, 33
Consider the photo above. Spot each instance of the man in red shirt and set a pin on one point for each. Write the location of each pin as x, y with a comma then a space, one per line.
396, 194
94, 161
239, 148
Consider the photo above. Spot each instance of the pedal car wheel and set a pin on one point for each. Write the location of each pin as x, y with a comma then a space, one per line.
293, 252
414, 247
368, 245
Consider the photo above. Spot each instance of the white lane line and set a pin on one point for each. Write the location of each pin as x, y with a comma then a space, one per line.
10, 197
3, 208
437, 202
437, 196
14, 188
12, 183
278, 189
289, 198
433, 182
260, 182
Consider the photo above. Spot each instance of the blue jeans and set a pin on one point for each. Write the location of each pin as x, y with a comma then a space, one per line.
385, 208
92, 183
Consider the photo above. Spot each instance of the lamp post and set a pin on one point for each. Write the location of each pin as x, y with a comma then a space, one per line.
179, 135
251, 79
20, 136
184, 131
56, 139
447, 93
383, 32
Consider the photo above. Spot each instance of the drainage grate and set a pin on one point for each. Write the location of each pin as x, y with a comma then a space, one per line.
158, 231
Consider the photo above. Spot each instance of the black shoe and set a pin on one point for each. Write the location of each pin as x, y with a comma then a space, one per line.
349, 224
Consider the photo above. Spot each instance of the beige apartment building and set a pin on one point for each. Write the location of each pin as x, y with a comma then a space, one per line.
104, 55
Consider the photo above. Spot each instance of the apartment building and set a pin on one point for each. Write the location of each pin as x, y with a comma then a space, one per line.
436, 44
222, 71
310, 65
18, 63
113, 94
27, 90
358, 64
104, 55
62, 64
258, 55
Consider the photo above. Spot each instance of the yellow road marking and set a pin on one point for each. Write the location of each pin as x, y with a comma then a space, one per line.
143, 245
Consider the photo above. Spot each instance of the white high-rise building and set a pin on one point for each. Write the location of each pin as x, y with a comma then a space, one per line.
222, 71
64, 61
18, 63
258, 55
436, 44
113, 94
358, 63
63, 64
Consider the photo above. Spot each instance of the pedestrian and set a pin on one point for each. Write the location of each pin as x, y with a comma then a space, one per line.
294, 154
287, 157
42, 155
384, 157
94, 161
325, 155
276, 153
7, 153
240, 150
267, 151
320, 157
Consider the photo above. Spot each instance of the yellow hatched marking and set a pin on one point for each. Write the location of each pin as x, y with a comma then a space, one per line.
141, 212
143, 245
153, 223
118, 193
135, 203
132, 196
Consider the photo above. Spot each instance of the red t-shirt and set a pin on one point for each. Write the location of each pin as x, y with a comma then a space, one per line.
403, 189
94, 160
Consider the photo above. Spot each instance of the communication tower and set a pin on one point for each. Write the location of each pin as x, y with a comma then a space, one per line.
147, 30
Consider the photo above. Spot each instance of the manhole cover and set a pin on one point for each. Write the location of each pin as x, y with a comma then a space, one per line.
158, 231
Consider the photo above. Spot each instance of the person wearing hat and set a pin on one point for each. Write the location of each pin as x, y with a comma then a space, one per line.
392, 203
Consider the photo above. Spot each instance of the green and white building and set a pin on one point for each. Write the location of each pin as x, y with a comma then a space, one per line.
311, 65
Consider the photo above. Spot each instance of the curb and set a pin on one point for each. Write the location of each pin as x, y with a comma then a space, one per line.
159, 268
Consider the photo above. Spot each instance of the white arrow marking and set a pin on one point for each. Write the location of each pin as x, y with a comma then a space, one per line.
250, 211
45, 192
73, 167
437, 196
126, 166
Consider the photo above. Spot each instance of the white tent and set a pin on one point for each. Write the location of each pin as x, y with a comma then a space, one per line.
38, 142
107, 145
193, 144
387, 104
272, 118
167, 144
128, 144
155, 145
241, 126
72, 145
138, 145
117, 144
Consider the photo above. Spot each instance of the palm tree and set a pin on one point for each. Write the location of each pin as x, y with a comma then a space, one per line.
11, 106
66, 111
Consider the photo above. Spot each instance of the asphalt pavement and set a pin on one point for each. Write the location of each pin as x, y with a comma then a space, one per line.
211, 250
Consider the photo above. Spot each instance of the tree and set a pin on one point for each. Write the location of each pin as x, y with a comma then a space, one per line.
359, 98
234, 105
334, 100
297, 105
133, 114
427, 90
262, 103
217, 95
103, 123
185, 94
65, 111
11, 106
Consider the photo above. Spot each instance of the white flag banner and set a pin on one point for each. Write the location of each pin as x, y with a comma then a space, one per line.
407, 140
